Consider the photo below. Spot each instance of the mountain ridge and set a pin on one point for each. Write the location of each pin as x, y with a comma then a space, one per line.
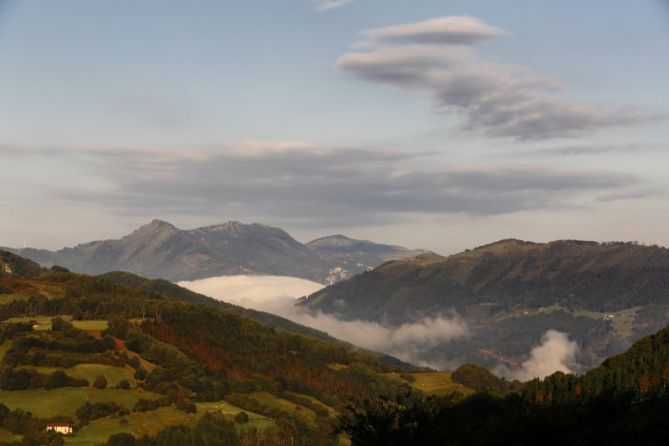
605, 295
159, 249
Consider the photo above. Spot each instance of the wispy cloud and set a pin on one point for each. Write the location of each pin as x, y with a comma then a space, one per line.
490, 97
636, 194
318, 185
586, 149
453, 30
328, 5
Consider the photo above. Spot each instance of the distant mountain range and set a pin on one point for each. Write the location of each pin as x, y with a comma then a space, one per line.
161, 250
604, 296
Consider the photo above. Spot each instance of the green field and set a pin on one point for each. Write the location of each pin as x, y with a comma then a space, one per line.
65, 401
435, 383
136, 423
267, 399
227, 409
90, 371
44, 322
317, 402
150, 423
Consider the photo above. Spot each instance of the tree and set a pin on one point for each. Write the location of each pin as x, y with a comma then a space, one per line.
55, 380
242, 418
122, 439
60, 324
123, 384
100, 382
140, 374
214, 430
4, 410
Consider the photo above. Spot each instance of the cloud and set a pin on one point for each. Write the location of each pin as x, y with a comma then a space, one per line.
277, 295
297, 183
585, 149
253, 291
492, 98
629, 195
555, 354
591, 149
318, 186
453, 30
328, 5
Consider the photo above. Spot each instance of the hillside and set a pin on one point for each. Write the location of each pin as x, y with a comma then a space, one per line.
160, 250
12, 265
510, 292
120, 353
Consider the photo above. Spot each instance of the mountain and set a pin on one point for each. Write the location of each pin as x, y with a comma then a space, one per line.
604, 295
160, 250
121, 355
356, 255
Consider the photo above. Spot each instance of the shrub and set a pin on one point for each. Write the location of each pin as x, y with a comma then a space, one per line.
123, 384
144, 405
140, 374
186, 406
89, 412
61, 379
242, 417
60, 324
122, 439
100, 382
134, 362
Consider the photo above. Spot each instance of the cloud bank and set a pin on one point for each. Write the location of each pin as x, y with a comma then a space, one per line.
277, 295
300, 184
490, 97
556, 353
252, 291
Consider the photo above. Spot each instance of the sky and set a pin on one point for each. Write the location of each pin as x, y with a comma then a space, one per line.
424, 123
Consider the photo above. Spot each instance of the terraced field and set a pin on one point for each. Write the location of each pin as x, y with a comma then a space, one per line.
150, 423
90, 371
65, 401
43, 323
433, 383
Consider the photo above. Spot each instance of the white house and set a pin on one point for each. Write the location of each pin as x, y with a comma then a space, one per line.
61, 428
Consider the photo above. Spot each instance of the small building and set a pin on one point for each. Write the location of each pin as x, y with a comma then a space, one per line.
61, 428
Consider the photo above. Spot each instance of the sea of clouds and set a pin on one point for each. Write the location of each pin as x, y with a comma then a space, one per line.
408, 342
278, 294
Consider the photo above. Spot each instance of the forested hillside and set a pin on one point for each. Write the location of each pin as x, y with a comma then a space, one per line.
104, 357
624, 401
604, 295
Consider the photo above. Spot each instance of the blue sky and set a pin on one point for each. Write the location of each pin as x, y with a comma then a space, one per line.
116, 112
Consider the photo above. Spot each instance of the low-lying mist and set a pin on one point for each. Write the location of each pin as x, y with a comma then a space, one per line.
408, 342
277, 295
556, 353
